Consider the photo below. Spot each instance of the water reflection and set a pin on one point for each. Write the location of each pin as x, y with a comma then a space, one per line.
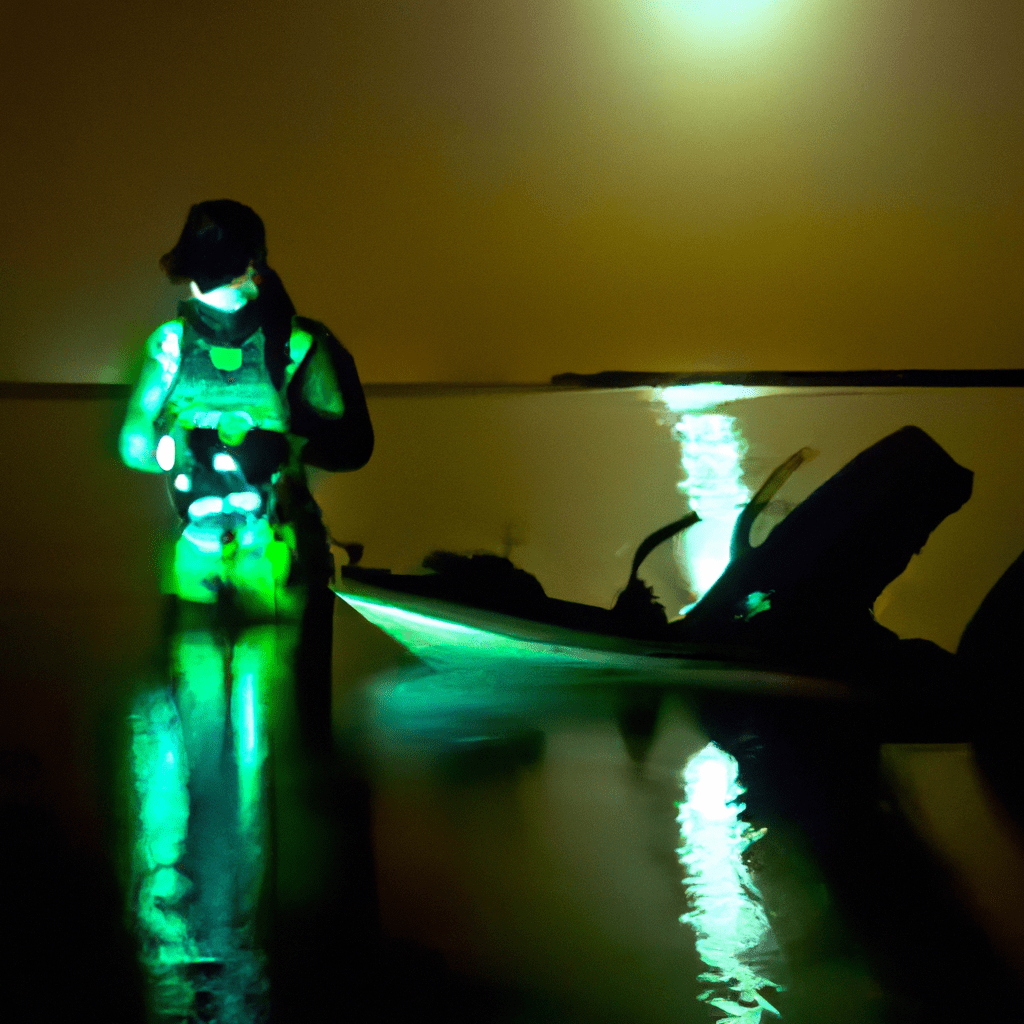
711, 452
734, 937
202, 849
200, 764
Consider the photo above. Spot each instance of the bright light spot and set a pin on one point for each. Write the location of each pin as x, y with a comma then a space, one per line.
711, 785
733, 935
224, 463
711, 452
208, 506
699, 397
245, 501
208, 419
705, 551
165, 453
247, 727
225, 297
719, 18
182, 482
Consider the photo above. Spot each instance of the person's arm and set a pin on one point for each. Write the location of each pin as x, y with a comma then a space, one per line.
328, 408
138, 439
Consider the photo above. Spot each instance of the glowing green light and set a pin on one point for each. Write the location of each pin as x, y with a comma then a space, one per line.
160, 771
248, 727
165, 453
196, 904
250, 753
733, 935
201, 686
200, 750
299, 344
164, 346
431, 637
244, 501
757, 602
510, 646
136, 448
228, 297
153, 395
253, 663
257, 668
226, 359
211, 505
207, 541
160, 774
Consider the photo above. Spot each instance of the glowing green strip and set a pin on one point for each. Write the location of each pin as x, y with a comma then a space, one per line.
247, 724
428, 636
250, 761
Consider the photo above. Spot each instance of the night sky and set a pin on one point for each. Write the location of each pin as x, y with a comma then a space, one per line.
501, 191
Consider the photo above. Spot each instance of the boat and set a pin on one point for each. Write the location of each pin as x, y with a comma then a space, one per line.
790, 618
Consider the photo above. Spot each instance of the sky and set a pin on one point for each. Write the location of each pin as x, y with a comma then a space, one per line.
502, 191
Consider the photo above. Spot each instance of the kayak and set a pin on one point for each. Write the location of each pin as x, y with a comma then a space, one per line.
449, 636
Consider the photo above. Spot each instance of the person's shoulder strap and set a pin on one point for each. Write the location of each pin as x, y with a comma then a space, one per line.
326, 398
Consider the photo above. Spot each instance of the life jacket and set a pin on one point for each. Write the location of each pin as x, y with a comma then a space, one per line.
230, 363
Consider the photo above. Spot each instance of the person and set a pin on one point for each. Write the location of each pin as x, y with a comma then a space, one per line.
237, 396
238, 374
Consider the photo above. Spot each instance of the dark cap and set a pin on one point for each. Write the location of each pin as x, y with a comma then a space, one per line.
220, 239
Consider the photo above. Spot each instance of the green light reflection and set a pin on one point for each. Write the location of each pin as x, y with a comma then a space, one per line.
436, 639
199, 760
734, 937
160, 773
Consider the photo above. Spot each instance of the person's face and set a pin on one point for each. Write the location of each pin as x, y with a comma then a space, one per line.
233, 295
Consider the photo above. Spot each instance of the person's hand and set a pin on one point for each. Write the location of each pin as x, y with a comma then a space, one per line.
185, 417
